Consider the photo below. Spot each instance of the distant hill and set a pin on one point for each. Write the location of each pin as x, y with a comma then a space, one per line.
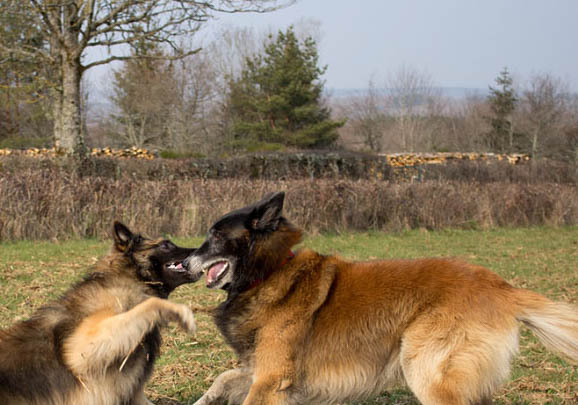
450, 92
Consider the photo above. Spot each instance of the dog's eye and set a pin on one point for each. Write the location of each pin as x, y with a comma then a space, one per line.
216, 235
167, 245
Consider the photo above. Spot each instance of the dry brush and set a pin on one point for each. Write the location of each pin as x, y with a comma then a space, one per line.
56, 204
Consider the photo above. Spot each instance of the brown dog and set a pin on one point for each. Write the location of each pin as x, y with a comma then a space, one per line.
318, 329
98, 343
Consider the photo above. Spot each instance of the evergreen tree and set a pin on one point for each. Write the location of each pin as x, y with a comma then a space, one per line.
276, 101
503, 101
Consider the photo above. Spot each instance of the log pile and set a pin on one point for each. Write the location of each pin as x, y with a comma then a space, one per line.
393, 159
418, 159
133, 152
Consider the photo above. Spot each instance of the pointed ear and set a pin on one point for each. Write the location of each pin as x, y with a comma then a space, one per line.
267, 212
122, 236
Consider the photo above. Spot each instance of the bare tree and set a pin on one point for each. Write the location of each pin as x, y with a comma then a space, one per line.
70, 27
467, 124
407, 113
413, 97
193, 121
144, 97
367, 117
544, 103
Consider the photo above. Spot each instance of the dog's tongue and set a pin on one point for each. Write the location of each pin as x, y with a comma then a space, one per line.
215, 270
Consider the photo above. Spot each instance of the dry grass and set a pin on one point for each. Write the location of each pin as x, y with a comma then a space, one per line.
542, 259
58, 204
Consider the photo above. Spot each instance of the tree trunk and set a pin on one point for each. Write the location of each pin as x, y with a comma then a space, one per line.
56, 100
535, 144
68, 117
510, 134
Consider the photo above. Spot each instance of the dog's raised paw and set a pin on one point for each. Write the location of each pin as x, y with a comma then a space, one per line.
186, 319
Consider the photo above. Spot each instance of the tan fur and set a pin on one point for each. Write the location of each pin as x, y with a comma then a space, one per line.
104, 337
96, 344
328, 330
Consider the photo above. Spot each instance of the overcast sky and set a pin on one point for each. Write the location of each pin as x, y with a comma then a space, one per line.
461, 43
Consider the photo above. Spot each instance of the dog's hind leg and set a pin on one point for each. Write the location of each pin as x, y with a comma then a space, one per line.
231, 386
456, 364
105, 336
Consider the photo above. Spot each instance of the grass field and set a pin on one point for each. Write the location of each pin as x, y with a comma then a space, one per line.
541, 259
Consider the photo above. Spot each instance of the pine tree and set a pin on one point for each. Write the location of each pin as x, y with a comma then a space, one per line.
503, 101
276, 101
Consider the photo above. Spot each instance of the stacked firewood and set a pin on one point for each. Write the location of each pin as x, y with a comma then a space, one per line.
53, 152
393, 159
133, 152
417, 159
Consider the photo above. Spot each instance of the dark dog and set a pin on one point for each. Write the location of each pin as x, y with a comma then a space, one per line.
97, 344
318, 329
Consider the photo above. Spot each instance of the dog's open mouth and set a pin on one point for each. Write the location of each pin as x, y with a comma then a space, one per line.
176, 266
216, 271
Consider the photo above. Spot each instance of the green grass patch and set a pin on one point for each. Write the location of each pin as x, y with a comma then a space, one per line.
542, 259
175, 154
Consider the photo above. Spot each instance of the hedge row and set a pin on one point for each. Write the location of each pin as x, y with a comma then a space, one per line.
51, 203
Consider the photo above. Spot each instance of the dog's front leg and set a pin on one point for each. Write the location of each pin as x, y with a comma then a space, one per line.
268, 390
231, 386
106, 336
141, 399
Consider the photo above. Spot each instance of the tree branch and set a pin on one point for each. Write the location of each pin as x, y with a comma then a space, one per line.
152, 34
32, 53
48, 21
242, 8
134, 57
123, 6
149, 14
87, 34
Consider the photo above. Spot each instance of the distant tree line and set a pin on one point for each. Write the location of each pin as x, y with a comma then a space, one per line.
271, 99
248, 91
53, 36
538, 117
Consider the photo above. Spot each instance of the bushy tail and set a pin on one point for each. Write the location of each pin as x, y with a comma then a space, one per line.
555, 323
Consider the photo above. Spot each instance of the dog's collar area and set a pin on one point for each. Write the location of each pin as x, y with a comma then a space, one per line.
290, 255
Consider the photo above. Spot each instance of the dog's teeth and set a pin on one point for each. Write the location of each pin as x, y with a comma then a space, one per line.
216, 269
